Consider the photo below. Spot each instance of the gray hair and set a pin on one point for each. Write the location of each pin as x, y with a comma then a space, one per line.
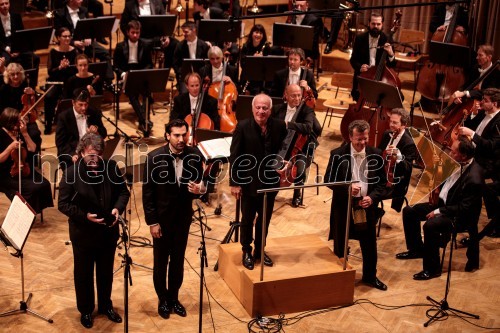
90, 140
360, 125
269, 99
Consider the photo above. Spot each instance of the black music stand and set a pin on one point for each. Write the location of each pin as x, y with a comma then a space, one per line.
94, 101
219, 31
264, 68
94, 28
32, 76
157, 25
145, 82
381, 94
449, 54
30, 40
291, 35
244, 106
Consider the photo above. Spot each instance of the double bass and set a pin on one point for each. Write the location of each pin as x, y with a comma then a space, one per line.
198, 119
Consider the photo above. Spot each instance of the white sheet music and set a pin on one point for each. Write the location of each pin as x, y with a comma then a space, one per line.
17, 223
216, 148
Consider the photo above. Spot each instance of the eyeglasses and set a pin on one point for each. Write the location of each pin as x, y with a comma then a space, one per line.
14, 74
65, 36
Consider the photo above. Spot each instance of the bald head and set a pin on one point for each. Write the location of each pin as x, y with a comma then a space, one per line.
293, 95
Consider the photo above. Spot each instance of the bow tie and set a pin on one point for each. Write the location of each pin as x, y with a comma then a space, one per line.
359, 155
81, 116
191, 43
71, 11
290, 109
179, 155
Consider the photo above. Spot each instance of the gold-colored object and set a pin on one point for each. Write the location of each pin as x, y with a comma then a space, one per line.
178, 7
255, 8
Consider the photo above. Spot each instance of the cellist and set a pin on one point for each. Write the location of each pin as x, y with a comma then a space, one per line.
214, 69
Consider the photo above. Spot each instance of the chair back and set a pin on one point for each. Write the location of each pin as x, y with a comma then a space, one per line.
413, 38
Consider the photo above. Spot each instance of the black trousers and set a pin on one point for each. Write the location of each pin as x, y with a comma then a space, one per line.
168, 252
85, 257
491, 192
250, 207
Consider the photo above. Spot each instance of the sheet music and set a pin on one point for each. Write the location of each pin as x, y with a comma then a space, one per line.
216, 148
17, 222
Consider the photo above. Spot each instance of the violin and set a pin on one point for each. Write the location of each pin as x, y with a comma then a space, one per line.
198, 119
308, 95
19, 156
390, 157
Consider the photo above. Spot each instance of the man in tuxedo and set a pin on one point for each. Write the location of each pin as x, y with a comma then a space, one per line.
73, 124
311, 20
172, 179
484, 129
368, 48
213, 70
442, 17
400, 148
93, 195
293, 74
458, 208
357, 161
299, 118
201, 10
190, 48
255, 143
134, 53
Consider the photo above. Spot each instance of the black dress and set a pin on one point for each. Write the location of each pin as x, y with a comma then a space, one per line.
34, 188
10, 97
76, 82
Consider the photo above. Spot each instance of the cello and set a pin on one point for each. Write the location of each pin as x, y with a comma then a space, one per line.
198, 119
379, 121
437, 82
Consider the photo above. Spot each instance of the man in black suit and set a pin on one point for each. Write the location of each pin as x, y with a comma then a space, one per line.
213, 70
442, 16
255, 142
459, 205
190, 48
484, 129
201, 10
311, 20
400, 152
357, 161
134, 53
73, 124
293, 74
368, 48
299, 118
172, 179
93, 195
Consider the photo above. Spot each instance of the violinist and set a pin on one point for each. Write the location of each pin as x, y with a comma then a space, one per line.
368, 48
15, 87
442, 16
82, 79
397, 142
34, 187
214, 70
59, 70
459, 204
294, 74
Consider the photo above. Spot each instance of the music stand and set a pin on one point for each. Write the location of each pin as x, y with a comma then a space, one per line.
145, 82
264, 68
31, 75
219, 31
157, 25
381, 94
31, 39
94, 28
291, 35
244, 106
94, 102
449, 54
190, 66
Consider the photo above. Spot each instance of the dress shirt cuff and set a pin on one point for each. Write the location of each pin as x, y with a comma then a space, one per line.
7, 48
152, 225
391, 58
467, 93
437, 211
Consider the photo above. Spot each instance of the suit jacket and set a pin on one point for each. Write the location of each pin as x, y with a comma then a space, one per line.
249, 145
491, 81
67, 137
439, 16
63, 19
215, 14
16, 23
303, 124
77, 197
131, 12
280, 81
402, 171
182, 52
183, 107
338, 170
487, 144
121, 54
162, 197
231, 71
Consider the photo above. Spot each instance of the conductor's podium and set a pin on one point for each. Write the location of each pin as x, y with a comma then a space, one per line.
306, 276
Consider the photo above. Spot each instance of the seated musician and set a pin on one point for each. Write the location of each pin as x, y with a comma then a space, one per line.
59, 70
312, 20
68, 16
12, 22
73, 124
82, 79
94, 7
134, 53
300, 118
214, 69
34, 187
397, 142
459, 204
484, 130
336, 23
368, 48
484, 62
294, 74
15, 86
190, 48
442, 16
201, 10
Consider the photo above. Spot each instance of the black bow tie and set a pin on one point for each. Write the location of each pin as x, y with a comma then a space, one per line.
179, 155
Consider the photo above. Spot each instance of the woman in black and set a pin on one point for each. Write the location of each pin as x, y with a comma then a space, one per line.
59, 69
15, 86
82, 79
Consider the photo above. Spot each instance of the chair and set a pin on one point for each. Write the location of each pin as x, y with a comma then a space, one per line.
413, 39
382, 214
336, 108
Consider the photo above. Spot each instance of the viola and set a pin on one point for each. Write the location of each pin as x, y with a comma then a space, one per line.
390, 157
308, 95
29, 113
19, 156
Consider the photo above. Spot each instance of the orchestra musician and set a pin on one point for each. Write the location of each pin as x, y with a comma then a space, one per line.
397, 141
368, 48
294, 74
459, 205
336, 23
202, 10
94, 7
357, 161
214, 70
312, 20
34, 187
134, 53
255, 142
442, 16
15, 86
224, 5
59, 70
82, 79
172, 179
300, 118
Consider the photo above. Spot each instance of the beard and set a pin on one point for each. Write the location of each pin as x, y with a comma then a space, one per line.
374, 32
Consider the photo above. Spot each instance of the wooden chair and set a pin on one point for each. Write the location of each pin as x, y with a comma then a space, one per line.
335, 107
414, 39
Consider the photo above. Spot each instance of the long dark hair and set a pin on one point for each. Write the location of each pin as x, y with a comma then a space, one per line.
260, 28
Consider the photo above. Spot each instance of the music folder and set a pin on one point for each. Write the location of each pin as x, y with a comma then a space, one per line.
17, 223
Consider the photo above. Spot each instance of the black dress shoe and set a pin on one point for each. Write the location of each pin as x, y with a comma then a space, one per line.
376, 283
164, 310
409, 255
465, 241
178, 309
471, 267
296, 201
86, 320
328, 49
426, 275
112, 315
248, 260
267, 260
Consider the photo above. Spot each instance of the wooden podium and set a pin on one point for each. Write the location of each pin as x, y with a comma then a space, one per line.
306, 276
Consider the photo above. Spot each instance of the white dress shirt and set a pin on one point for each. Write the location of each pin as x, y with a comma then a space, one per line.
144, 8
132, 52
81, 123
482, 125
217, 74
443, 194
290, 112
359, 170
206, 14
192, 48
6, 24
193, 100
293, 76
74, 16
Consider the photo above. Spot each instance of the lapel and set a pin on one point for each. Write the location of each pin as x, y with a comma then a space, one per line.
140, 49
135, 9
126, 50
68, 18
72, 122
461, 180
492, 122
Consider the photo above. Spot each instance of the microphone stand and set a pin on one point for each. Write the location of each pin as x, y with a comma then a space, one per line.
110, 3
126, 263
203, 260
